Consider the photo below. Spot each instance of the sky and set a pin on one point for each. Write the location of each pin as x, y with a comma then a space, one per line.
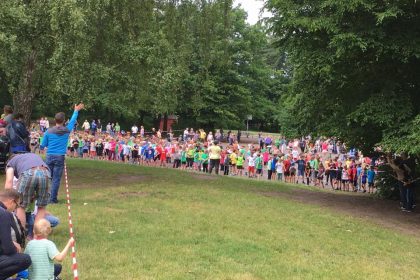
252, 7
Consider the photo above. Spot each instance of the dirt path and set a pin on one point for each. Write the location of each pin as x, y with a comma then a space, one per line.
382, 212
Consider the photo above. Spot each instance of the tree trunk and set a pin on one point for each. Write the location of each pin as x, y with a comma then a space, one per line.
165, 125
24, 97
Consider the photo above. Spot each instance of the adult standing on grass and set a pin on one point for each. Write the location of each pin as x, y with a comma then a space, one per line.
214, 156
11, 259
55, 139
18, 134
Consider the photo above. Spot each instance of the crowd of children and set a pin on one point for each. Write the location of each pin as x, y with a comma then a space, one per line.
319, 162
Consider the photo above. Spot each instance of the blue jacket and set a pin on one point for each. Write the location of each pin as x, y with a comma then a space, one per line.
56, 138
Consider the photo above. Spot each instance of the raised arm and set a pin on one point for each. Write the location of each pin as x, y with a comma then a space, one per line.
73, 119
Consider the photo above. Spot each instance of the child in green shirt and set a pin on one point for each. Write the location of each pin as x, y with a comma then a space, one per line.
43, 253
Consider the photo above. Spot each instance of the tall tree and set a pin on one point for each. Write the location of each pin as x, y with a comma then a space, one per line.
354, 68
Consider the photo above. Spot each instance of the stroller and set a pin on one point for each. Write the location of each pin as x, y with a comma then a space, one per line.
4, 151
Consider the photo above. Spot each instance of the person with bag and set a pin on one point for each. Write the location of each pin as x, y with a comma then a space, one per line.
18, 135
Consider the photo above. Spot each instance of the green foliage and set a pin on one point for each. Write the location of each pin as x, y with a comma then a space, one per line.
354, 66
197, 59
386, 183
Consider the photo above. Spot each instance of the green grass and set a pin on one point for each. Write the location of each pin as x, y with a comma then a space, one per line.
170, 224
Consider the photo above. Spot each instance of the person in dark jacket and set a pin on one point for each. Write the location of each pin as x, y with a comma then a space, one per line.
12, 260
18, 134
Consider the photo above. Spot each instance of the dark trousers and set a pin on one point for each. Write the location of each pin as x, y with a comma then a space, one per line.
57, 269
10, 265
406, 195
269, 173
226, 169
214, 163
205, 167
56, 165
190, 162
177, 163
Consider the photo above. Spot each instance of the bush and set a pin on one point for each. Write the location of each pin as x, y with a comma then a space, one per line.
386, 183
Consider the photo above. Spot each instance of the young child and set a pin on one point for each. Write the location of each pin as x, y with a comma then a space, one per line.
371, 179
43, 253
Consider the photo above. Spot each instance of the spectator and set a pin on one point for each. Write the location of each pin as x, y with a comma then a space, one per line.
34, 182
44, 252
18, 135
55, 139
8, 113
12, 260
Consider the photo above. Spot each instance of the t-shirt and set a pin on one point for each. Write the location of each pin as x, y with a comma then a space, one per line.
258, 162
233, 158
204, 157
22, 162
190, 153
251, 161
301, 164
214, 152
240, 161
42, 253
279, 167
370, 176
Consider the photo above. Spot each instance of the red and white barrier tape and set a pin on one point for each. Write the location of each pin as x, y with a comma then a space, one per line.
73, 249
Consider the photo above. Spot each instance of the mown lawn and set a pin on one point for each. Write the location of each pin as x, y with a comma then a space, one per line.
134, 222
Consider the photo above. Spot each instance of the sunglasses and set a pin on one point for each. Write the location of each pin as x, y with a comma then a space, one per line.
17, 204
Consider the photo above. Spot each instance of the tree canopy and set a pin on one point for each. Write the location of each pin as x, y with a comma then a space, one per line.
129, 59
354, 73
322, 67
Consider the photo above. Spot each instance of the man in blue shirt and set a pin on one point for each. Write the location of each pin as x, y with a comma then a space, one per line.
56, 139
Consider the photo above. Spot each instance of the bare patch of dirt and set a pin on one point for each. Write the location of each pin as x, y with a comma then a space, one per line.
382, 212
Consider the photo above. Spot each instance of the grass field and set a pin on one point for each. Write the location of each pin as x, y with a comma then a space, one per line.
134, 222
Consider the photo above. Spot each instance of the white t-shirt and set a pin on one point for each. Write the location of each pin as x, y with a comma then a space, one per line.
279, 167
251, 161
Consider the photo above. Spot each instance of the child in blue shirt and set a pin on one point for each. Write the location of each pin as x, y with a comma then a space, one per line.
371, 179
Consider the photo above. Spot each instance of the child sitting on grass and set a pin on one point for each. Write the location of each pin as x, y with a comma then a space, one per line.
43, 253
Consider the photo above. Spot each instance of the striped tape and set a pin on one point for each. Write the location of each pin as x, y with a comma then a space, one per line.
73, 248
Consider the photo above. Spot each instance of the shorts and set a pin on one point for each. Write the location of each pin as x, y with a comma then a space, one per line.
344, 181
371, 184
259, 171
34, 184
251, 168
286, 173
301, 172
240, 167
